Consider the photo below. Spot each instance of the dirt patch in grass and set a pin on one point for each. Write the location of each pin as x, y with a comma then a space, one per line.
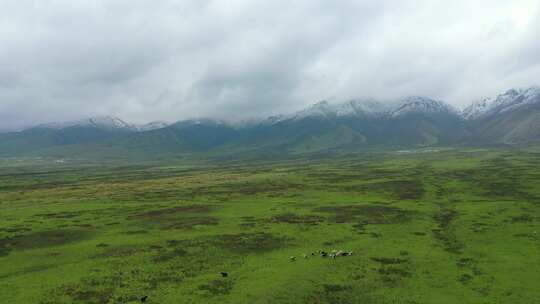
136, 232
181, 243
15, 229
88, 290
274, 187
192, 257
42, 239
243, 243
60, 215
444, 233
181, 217
366, 214
336, 287
291, 218
249, 221
360, 175
465, 278
128, 282
340, 294
119, 251
389, 261
396, 189
531, 236
190, 222
524, 218
466, 262
496, 178
26, 271
167, 255
170, 212
217, 287
392, 270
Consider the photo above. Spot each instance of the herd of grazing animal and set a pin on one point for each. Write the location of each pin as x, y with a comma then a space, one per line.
332, 254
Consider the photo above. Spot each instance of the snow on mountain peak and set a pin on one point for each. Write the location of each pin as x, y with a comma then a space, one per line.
105, 123
533, 91
416, 104
476, 109
154, 125
354, 107
321, 108
507, 101
373, 108
357, 107
102, 122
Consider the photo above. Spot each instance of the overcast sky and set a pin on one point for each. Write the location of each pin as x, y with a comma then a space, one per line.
170, 60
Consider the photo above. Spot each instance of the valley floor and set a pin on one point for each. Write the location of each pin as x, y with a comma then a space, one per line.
444, 226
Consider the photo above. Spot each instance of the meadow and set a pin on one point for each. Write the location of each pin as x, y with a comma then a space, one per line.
435, 226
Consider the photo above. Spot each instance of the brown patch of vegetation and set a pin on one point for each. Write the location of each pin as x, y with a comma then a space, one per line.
15, 229
444, 232
190, 222
88, 290
168, 255
393, 270
249, 242
389, 261
169, 212
217, 287
340, 294
249, 221
42, 239
119, 251
465, 278
136, 232
367, 214
181, 217
292, 218
524, 218
60, 215
397, 189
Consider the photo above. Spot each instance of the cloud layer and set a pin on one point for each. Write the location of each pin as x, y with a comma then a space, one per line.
171, 60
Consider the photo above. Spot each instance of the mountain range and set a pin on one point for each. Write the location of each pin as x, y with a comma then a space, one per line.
359, 124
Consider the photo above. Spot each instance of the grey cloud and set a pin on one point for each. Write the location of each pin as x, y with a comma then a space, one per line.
169, 60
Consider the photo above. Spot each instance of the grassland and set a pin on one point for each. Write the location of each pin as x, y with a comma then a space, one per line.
449, 226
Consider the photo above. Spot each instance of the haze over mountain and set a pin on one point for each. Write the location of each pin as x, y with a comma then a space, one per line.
359, 124
174, 60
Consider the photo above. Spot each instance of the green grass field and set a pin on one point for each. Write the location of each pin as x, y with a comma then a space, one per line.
449, 226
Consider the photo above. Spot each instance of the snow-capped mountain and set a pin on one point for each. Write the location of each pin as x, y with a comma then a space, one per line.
371, 108
511, 117
100, 122
511, 99
104, 123
417, 104
154, 125
320, 109
355, 107
514, 98
325, 109
199, 122
358, 107
476, 109
508, 101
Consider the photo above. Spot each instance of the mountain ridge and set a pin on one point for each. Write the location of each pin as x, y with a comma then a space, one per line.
363, 107
509, 118
101, 122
